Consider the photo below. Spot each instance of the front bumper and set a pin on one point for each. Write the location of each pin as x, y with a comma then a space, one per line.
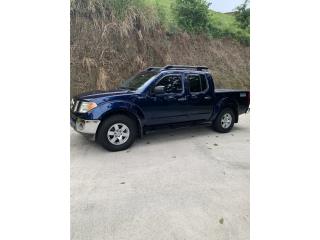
84, 126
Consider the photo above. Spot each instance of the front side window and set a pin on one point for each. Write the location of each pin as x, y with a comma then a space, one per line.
172, 84
138, 80
197, 83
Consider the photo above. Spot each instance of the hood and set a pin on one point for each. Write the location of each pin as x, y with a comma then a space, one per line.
102, 96
95, 95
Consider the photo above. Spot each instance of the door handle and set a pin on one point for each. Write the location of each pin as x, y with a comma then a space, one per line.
169, 97
207, 97
182, 99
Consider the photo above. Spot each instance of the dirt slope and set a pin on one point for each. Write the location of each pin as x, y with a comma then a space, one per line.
103, 53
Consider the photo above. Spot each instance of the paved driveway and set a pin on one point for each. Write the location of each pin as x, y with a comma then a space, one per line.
190, 183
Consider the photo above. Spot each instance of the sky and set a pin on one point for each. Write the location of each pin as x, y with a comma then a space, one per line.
225, 5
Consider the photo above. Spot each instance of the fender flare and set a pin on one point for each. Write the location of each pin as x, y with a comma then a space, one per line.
225, 103
122, 107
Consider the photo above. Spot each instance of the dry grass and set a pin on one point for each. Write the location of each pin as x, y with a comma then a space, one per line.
106, 50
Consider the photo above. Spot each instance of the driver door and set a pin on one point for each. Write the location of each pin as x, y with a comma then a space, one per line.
170, 105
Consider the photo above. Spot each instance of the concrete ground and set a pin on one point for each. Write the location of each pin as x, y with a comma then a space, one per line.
190, 183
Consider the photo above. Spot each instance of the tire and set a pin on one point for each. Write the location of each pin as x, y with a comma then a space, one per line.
224, 121
117, 133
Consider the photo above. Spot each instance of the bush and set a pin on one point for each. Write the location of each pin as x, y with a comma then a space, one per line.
243, 15
192, 15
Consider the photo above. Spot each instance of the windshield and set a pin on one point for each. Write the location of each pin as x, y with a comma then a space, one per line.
138, 80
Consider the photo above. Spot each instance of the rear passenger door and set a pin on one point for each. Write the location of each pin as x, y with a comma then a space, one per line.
199, 97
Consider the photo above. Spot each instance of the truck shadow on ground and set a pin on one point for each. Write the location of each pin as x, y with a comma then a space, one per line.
160, 136
183, 133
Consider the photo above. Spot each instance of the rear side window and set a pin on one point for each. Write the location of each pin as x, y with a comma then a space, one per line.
197, 83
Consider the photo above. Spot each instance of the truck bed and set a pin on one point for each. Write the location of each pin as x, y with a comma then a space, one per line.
242, 97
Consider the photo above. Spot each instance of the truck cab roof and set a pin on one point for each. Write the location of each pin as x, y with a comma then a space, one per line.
179, 69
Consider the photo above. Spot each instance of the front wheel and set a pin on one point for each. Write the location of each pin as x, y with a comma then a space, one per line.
118, 132
224, 121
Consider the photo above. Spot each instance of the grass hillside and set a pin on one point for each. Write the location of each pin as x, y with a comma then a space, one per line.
228, 26
113, 39
160, 11
225, 24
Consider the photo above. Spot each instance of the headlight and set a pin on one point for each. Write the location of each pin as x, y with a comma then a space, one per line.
87, 106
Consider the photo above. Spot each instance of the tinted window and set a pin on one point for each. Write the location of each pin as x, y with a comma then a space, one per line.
194, 83
172, 84
204, 84
138, 80
197, 83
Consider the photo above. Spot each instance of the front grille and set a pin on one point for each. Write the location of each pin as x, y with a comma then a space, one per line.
71, 103
76, 106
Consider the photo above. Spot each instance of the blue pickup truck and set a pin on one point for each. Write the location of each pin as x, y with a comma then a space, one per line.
155, 97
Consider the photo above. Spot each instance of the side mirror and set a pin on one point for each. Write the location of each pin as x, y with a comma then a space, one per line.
158, 90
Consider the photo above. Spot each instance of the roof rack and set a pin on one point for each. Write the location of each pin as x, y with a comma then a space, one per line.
153, 68
198, 68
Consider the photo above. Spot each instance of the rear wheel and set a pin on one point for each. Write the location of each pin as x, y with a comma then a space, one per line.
224, 121
117, 133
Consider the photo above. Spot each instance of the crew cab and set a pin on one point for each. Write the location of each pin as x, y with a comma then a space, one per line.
155, 97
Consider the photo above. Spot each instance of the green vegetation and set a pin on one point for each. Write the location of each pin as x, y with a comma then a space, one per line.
243, 15
226, 25
193, 16
220, 25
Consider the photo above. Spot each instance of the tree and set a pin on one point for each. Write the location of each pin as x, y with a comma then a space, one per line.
243, 15
192, 15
